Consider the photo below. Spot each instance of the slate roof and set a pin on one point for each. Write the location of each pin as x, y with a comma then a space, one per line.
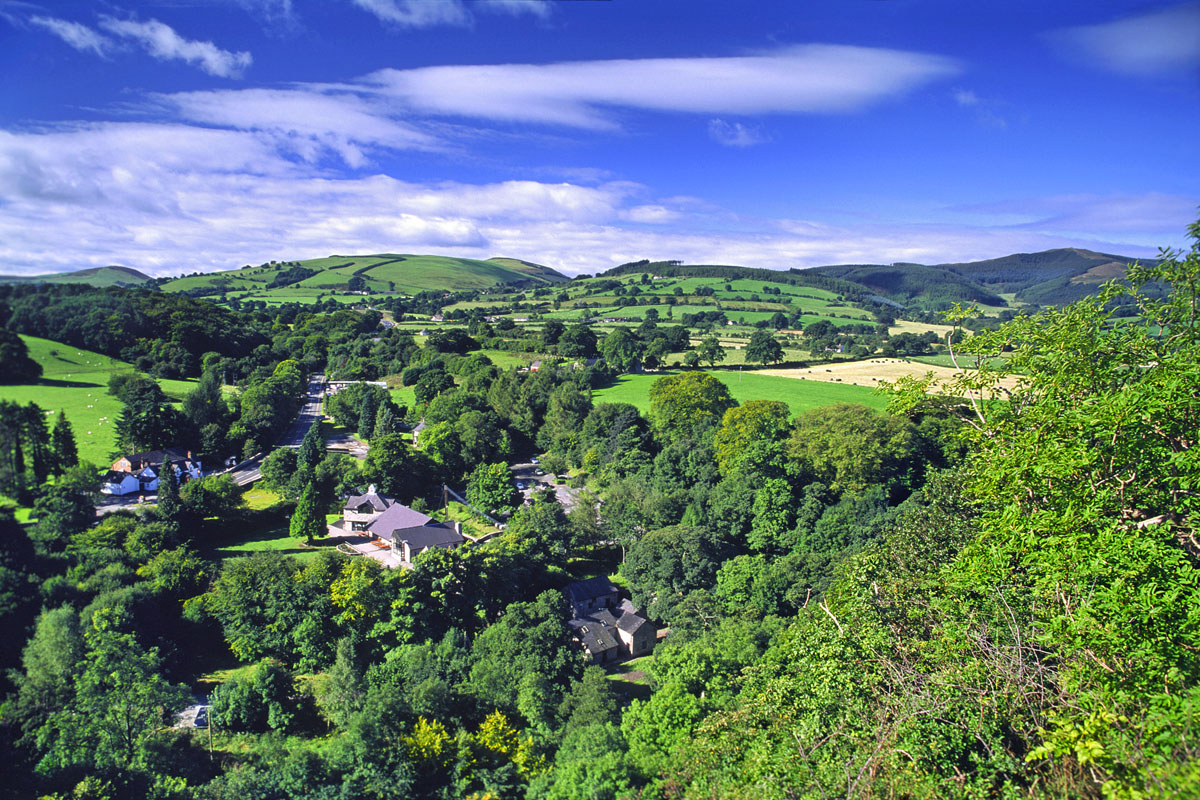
377, 502
397, 516
159, 456
590, 589
420, 537
630, 618
596, 637
112, 476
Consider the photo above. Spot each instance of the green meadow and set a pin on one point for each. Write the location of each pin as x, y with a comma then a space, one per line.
75, 381
800, 396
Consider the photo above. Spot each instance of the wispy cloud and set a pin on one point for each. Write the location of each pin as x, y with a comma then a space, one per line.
431, 13
1157, 212
984, 110
162, 42
1159, 43
79, 36
799, 79
735, 134
305, 121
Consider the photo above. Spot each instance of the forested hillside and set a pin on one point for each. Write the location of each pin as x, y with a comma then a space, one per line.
991, 590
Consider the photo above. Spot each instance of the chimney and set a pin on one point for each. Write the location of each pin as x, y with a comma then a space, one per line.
371, 489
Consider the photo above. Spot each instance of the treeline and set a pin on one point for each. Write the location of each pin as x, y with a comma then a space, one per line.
164, 334
793, 277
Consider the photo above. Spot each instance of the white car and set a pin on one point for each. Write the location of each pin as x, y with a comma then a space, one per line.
521, 485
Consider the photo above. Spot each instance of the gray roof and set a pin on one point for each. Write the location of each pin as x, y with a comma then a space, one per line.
596, 636
397, 516
436, 534
377, 502
631, 619
582, 591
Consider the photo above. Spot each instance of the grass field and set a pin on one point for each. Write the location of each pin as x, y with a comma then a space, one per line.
800, 396
75, 382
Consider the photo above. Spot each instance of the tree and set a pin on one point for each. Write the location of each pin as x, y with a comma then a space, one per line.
308, 521
432, 383
622, 351
121, 701
212, 496
312, 447
578, 341
388, 465
763, 348
756, 421
490, 489
66, 507
710, 350
169, 503
688, 404
850, 447
62, 443
14, 355
666, 564
148, 421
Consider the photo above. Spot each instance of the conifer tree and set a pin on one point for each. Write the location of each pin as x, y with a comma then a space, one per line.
170, 507
307, 522
62, 444
312, 448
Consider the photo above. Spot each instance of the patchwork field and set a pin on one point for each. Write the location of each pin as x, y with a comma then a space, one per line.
75, 382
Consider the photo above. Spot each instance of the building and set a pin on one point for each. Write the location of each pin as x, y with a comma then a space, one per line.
140, 472
606, 626
406, 532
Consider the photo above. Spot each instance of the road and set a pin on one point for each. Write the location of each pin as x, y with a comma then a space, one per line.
247, 472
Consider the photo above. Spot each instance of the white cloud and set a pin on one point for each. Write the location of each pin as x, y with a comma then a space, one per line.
800, 79
162, 42
430, 13
652, 214
735, 134
416, 13
966, 98
81, 37
1158, 43
175, 198
304, 121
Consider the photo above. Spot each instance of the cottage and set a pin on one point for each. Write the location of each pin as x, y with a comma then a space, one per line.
607, 627
144, 469
119, 483
407, 532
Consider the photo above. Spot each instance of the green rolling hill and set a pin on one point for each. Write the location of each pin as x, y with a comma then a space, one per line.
382, 272
95, 276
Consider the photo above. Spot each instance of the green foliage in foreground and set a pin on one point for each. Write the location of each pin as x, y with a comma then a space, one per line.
1032, 627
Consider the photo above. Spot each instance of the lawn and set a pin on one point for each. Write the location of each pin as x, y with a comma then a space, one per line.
800, 396
263, 528
75, 381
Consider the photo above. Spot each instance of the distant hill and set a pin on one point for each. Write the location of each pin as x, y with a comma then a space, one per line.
95, 276
381, 272
1051, 277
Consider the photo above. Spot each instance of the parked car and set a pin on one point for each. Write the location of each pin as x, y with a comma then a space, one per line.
534, 460
521, 485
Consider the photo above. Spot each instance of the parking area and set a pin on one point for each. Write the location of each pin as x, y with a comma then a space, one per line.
532, 477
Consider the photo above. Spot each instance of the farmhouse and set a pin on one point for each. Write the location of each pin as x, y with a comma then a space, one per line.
607, 627
401, 531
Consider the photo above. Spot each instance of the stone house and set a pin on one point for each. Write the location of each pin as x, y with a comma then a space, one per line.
606, 626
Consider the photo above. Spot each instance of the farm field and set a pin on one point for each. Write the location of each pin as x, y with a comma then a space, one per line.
871, 372
800, 396
75, 381
905, 326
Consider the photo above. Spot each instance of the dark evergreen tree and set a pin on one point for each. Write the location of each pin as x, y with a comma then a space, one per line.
307, 520
312, 448
170, 507
366, 416
62, 443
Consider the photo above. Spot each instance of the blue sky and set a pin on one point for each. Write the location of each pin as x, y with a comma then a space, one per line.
180, 135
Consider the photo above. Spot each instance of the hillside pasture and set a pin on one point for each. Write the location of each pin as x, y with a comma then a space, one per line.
75, 381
